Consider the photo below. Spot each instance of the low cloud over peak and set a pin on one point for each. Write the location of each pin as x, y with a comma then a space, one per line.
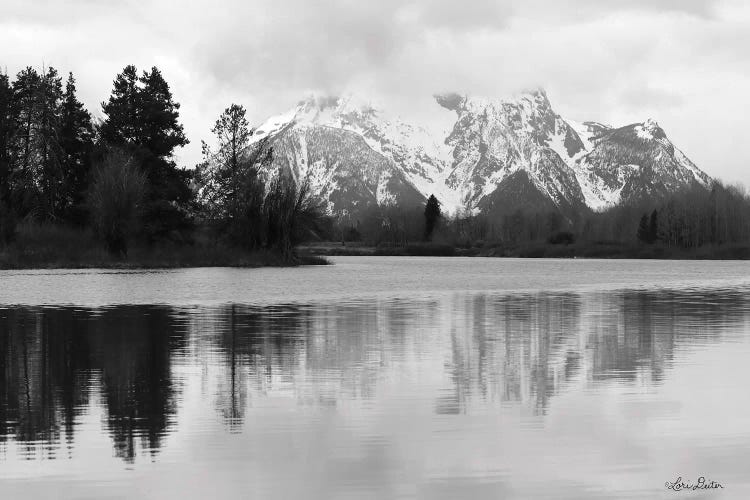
615, 61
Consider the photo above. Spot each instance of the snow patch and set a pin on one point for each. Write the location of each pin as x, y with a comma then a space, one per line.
585, 132
273, 125
685, 162
647, 130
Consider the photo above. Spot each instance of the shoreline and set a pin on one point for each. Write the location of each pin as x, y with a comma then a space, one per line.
182, 257
535, 251
158, 260
50, 246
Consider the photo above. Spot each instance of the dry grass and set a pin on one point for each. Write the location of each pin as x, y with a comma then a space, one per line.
50, 246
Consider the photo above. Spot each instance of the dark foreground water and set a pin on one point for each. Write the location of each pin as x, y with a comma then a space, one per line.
377, 378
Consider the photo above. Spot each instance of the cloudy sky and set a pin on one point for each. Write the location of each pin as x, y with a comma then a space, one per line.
682, 62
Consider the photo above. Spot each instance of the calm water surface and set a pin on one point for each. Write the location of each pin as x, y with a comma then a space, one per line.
377, 378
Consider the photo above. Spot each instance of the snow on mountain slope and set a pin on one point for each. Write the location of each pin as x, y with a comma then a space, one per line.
357, 153
492, 139
636, 161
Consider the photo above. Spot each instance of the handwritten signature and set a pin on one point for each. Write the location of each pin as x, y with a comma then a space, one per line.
685, 485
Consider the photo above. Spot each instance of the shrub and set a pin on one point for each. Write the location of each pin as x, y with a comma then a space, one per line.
290, 212
115, 199
431, 250
7, 225
351, 234
562, 238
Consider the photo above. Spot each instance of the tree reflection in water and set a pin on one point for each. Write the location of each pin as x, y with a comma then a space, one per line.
55, 360
466, 351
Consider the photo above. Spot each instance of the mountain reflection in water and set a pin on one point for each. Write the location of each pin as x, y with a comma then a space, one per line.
69, 374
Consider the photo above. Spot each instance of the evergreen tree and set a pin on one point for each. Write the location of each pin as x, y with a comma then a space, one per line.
122, 126
644, 230
142, 118
161, 130
7, 124
76, 139
35, 146
50, 172
653, 227
233, 132
431, 216
25, 111
233, 135
232, 190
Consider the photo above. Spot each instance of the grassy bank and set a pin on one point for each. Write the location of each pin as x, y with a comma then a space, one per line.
591, 250
415, 250
614, 250
59, 247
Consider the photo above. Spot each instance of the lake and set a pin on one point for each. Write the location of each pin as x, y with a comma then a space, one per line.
397, 377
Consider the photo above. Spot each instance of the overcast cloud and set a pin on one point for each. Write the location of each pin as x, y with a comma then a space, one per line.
682, 62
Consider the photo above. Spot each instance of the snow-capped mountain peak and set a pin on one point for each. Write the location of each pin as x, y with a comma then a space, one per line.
358, 152
650, 130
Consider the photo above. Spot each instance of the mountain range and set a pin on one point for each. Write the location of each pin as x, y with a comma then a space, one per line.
493, 156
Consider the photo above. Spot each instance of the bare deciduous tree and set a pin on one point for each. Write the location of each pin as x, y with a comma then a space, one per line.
115, 199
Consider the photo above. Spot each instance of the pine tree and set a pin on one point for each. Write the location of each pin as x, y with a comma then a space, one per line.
431, 216
233, 135
643, 230
77, 140
43, 124
142, 118
653, 227
50, 173
233, 132
232, 190
35, 145
25, 111
122, 126
7, 124
161, 130
162, 133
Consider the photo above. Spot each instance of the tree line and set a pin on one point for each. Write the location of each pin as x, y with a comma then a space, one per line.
118, 177
694, 217
58, 165
46, 145
691, 218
